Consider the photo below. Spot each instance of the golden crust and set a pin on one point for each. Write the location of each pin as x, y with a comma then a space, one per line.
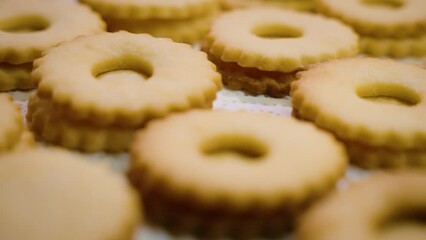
67, 197
370, 209
394, 47
378, 21
218, 146
15, 77
181, 30
151, 9
355, 118
58, 21
11, 125
242, 36
302, 5
126, 102
49, 124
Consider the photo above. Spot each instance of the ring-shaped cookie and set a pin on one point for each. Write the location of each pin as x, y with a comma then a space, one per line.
11, 125
218, 159
336, 95
383, 206
273, 39
151, 9
394, 47
379, 18
50, 22
177, 78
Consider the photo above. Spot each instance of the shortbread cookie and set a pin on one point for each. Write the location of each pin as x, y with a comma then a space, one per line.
232, 173
15, 77
371, 102
151, 9
53, 194
394, 47
29, 27
379, 18
52, 126
173, 77
383, 206
11, 125
275, 40
180, 30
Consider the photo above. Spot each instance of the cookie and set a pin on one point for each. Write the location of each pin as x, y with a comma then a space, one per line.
375, 106
277, 40
383, 206
302, 5
216, 173
11, 125
66, 197
379, 18
29, 27
51, 125
157, 77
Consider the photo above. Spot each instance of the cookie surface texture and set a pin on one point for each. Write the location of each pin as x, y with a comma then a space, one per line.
15, 77
66, 196
11, 125
383, 206
224, 162
148, 9
273, 39
379, 18
29, 27
394, 47
169, 77
381, 102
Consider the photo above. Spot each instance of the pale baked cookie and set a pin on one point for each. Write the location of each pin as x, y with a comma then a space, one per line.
52, 126
379, 18
393, 47
242, 174
151, 9
15, 77
29, 27
276, 40
53, 194
188, 30
376, 107
11, 125
157, 77
387, 206
303, 5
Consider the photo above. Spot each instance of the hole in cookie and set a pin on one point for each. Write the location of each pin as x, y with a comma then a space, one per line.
276, 30
385, 3
405, 221
243, 146
124, 68
389, 93
24, 24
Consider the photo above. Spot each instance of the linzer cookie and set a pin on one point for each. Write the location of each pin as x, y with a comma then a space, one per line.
387, 28
183, 21
29, 27
54, 194
259, 50
238, 174
376, 107
302, 5
116, 81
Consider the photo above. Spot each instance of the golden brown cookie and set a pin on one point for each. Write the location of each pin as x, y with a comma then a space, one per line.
375, 106
29, 27
394, 47
384, 206
303, 5
157, 77
377, 18
232, 173
53, 194
275, 40
15, 77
